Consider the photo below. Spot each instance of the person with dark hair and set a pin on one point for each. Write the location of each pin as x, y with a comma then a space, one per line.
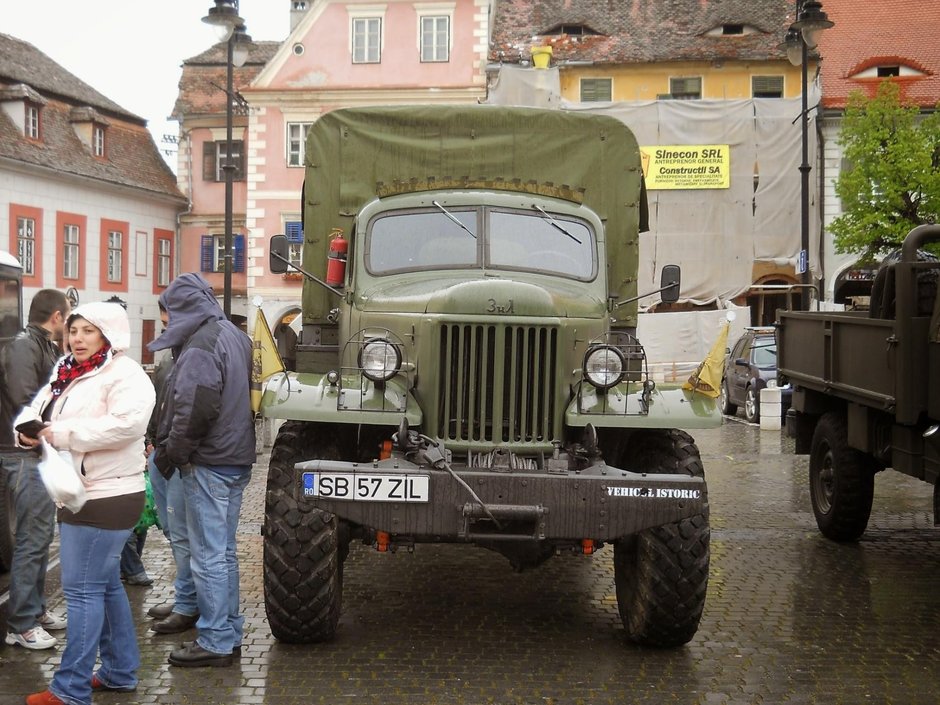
96, 407
181, 614
25, 365
207, 434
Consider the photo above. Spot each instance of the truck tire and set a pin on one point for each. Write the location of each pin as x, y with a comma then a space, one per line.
303, 553
7, 523
752, 405
727, 408
661, 574
841, 481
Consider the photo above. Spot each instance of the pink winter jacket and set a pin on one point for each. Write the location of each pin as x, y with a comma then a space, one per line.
101, 417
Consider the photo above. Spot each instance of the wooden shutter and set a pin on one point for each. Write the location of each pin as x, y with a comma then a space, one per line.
208, 162
295, 231
207, 247
238, 264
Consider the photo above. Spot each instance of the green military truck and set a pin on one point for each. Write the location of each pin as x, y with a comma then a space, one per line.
866, 389
468, 369
11, 322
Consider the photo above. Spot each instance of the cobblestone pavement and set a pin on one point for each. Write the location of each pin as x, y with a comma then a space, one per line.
790, 616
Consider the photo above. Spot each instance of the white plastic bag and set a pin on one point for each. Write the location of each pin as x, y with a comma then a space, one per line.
60, 478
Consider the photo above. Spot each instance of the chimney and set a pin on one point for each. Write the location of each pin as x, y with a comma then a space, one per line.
298, 8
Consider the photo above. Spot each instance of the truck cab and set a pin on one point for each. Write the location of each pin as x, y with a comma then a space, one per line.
468, 369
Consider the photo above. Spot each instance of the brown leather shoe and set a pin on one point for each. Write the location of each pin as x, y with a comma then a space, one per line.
175, 623
194, 656
161, 611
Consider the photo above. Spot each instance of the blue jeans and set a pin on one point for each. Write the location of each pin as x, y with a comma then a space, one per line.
99, 615
213, 503
169, 497
34, 526
131, 565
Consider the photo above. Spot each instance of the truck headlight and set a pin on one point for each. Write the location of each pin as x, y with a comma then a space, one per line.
379, 360
603, 366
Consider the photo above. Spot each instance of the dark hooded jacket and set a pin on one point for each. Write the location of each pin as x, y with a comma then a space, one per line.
205, 416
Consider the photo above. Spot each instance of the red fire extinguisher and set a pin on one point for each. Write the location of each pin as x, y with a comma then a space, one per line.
336, 259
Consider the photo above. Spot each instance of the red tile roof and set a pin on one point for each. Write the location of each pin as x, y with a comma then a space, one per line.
903, 32
641, 31
202, 83
131, 157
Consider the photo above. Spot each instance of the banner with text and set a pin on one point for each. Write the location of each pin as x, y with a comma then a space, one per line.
687, 166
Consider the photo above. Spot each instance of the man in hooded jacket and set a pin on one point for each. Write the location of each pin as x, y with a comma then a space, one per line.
206, 430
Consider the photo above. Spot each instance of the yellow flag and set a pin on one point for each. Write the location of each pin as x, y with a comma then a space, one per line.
265, 359
707, 378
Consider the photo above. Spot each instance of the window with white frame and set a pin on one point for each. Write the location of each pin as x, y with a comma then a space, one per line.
435, 38
115, 256
163, 262
71, 248
99, 140
296, 139
294, 230
366, 40
213, 253
213, 159
32, 121
26, 244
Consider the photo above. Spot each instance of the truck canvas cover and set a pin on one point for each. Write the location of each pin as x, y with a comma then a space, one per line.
356, 155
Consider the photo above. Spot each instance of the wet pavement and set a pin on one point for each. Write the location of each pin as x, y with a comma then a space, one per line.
790, 616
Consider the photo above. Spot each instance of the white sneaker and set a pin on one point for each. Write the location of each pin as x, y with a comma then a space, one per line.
35, 638
52, 621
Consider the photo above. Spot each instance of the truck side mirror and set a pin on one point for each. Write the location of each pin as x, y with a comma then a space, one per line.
669, 283
278, 254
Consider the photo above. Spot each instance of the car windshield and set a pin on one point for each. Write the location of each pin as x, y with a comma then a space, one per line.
452, 237
765, 353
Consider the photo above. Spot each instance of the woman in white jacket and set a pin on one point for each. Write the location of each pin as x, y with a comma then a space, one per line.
96, 406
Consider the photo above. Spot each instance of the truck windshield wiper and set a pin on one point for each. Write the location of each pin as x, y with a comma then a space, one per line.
453, 218
554, 222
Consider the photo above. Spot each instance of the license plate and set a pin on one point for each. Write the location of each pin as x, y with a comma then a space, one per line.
366, 487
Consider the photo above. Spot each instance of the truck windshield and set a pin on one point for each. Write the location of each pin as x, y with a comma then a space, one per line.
511, 240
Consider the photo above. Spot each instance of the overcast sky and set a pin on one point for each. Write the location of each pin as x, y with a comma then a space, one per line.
130, 50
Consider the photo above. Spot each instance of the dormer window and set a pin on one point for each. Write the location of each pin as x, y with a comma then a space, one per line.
98, 140
91, 128
886, 67
23, 106
731, 29
572, 30
32, 121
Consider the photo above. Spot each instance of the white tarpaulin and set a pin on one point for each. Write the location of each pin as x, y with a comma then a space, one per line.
715, 235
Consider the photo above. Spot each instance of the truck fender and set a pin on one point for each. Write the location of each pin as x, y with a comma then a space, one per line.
669, 408
306, 396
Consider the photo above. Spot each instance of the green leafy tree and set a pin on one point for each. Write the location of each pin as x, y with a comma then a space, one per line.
893, 182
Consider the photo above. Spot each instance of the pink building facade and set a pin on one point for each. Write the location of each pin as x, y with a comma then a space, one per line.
339, 54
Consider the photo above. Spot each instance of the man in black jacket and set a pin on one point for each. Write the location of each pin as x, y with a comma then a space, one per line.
25, 365
206, 430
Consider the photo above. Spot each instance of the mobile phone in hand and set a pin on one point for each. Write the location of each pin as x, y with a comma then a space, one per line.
31, 429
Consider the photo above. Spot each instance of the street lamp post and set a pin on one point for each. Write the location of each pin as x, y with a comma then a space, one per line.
801, 37
230, 28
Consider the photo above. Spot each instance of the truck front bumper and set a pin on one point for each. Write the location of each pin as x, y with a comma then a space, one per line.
601, 503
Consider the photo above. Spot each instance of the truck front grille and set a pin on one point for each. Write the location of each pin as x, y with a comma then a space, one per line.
497, 383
